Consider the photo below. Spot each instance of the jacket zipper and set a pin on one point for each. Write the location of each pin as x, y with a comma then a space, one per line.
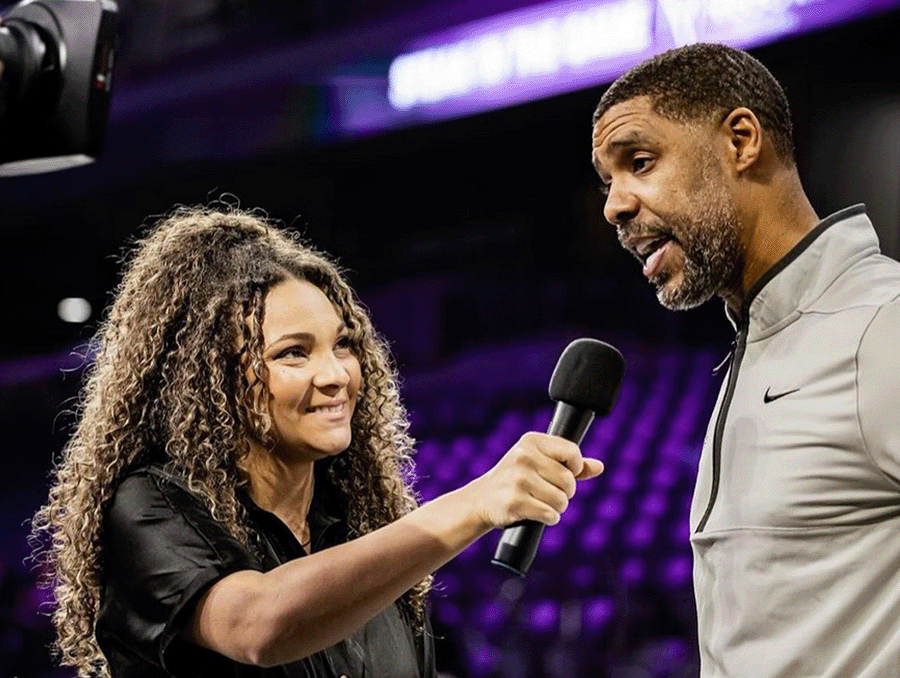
736, 357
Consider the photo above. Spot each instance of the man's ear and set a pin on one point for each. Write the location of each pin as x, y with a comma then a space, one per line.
743, 132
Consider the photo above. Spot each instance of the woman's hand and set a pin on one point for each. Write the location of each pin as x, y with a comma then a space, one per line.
534, 480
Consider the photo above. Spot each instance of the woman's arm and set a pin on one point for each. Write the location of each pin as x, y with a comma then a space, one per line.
311, 603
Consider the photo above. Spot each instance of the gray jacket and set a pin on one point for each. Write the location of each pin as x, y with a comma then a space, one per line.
796, 513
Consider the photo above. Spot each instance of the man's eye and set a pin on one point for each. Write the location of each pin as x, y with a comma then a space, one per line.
604, 191
640, 163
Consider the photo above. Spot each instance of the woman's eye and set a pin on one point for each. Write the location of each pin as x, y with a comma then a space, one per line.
343, 343
294, 352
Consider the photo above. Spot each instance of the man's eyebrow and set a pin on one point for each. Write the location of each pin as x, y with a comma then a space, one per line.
633, 138
626, 141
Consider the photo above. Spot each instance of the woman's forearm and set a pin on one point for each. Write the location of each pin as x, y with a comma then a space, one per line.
310, 603
316, 601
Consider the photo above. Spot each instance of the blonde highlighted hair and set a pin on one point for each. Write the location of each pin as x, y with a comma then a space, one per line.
169, 379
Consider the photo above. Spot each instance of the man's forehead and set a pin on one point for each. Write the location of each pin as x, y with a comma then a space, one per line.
633, 123
630, 116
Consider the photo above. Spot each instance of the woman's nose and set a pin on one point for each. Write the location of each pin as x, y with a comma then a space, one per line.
331, 372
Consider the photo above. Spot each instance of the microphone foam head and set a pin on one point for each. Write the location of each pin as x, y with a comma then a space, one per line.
588, 374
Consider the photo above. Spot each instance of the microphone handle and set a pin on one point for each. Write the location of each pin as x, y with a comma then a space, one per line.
519, 542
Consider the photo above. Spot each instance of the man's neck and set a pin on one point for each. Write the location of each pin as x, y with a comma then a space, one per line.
781, 218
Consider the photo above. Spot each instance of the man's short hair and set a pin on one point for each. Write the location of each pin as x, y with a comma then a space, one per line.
705, 81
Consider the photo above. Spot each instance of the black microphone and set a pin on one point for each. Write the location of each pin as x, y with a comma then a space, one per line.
585, 383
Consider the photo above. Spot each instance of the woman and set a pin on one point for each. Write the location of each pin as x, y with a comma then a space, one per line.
235, 499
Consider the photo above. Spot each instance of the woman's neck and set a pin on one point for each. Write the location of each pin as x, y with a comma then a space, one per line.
283, 488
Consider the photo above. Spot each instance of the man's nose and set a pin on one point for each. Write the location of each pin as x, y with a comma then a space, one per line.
621, 206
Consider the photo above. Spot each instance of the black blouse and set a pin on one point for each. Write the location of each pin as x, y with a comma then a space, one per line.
163, 549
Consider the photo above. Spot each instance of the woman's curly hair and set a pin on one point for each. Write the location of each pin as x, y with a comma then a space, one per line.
169, 379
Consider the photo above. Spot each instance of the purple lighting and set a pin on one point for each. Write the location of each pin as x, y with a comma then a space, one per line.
632, 571
640, 534
594, 539
511, 50
561, 46
544, 617
677, 571
598, 613
485, 660
653, 505
610, 509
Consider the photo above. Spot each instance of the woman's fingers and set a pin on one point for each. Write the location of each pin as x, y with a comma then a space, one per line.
559, 449
592, 468
534, 480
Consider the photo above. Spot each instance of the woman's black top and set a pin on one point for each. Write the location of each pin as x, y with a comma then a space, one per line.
163, 549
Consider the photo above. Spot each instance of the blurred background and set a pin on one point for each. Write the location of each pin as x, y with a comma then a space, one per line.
440, 150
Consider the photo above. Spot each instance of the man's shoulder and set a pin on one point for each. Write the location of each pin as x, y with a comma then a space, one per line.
871, 282
883, 330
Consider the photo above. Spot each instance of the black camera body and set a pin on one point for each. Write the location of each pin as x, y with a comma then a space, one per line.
55, 88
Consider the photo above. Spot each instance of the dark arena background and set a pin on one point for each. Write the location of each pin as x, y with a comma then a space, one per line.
469, 221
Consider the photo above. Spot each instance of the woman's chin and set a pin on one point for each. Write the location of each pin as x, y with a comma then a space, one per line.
331, 448
309, 451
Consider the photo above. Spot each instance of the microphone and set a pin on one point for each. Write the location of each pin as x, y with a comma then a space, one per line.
585, 383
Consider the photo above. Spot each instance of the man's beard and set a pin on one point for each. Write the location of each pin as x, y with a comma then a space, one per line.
712, 253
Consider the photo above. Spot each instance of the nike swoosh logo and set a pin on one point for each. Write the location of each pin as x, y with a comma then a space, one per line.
767, 398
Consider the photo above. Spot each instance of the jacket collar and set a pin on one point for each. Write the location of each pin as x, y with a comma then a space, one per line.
800, 278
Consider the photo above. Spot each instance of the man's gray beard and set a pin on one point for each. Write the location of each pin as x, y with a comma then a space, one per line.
713, 254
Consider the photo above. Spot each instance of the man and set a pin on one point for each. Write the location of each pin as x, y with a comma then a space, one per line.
796, 513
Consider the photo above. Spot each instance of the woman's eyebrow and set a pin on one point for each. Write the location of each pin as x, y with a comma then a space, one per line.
305, 336
300, 336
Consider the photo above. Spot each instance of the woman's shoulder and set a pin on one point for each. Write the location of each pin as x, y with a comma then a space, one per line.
152, 492
152, 481
153, 506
